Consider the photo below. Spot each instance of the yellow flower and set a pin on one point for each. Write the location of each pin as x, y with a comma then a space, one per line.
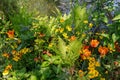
83, 35
92, 59
91, 67
96, 73
51, 44
56, 30
69, 28
62, 20
90, 25
5, 72
93, 73
97, 64
8, 67
102, 78
85, 22
16, 58
81, 73
65, 35
24, 50
61, 30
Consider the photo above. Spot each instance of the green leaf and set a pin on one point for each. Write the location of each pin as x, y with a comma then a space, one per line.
114, 37
73, 51
33, 77
105, 19
55, 60
105, 35
116, 17
62, 48
45, 64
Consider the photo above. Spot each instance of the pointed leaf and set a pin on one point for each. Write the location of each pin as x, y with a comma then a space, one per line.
114, 37
116, 17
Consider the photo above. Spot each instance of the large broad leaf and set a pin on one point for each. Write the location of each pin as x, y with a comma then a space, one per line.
116, 17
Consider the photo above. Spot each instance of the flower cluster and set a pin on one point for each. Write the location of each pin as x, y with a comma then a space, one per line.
18, 54
92, 72
7, 69
40, 48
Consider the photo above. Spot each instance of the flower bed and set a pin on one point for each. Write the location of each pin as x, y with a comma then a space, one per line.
58, 48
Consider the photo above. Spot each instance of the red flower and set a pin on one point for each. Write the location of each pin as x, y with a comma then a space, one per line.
86, 47
94, 43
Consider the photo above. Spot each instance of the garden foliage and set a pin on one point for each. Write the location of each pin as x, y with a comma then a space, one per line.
65, 47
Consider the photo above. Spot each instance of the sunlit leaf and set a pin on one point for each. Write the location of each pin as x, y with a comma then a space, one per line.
116, 17
114, 37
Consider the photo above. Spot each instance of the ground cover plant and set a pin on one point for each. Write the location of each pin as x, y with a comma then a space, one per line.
72, 46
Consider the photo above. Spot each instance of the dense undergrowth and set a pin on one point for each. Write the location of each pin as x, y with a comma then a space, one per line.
65, 47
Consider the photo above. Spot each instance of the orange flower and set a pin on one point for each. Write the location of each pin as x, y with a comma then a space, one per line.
10, 33
86, 54
81, 73
72, 38
6, 55
62, 20
14, 52
41, 35
83, 57
94, 43
9, 67
103, 50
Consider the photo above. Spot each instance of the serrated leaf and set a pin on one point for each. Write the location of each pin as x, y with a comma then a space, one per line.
62, 48
73, 52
